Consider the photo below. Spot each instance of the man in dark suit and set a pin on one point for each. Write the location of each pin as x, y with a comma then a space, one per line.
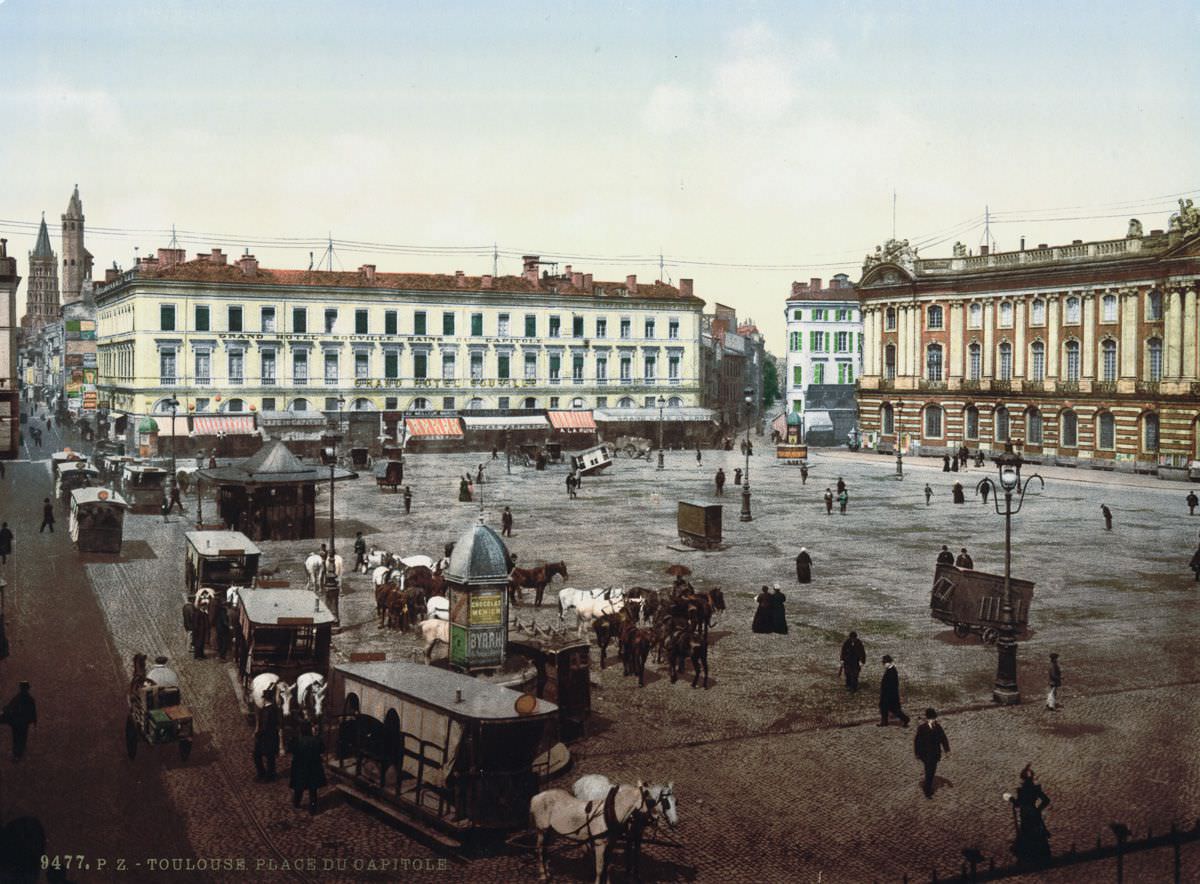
854, 657
945, 557
889, 694
928, 744
266, 741
308, 770
964, 560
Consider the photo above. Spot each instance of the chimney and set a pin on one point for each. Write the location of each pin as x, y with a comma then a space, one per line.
631, 283
568, 271
111, 274
1076, 242
171, 257
1043, 245
814, 283
218, 257
798, 287
685, 288
202, 257
1022, 244
983, 251
576, 278
3, 248
529, 265
485, 281
460, 279
368, 272
247, 262
587, 282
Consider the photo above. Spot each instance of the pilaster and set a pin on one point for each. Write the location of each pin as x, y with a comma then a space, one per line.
1052, 336
1129, 329
1088, 351
955, 326
989, 340
1172, 333
1191, 334
1019, 339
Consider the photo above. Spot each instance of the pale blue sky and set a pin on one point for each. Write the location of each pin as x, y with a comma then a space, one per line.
752, 133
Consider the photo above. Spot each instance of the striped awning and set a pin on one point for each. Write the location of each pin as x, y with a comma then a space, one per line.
505, 422
572, 421
229, 424
164, 425
433, 428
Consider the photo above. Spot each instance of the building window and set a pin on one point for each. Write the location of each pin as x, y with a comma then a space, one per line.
390, 324
530, 366
236, 365
626, 327
530, 402
845, 373
933, 362
816, 341
448, 403
933, 318
555, 327
1108, 308
1150, 433
502, 325
477, 366
1033, 427
1108, 361
818, 315
391, 364
475, 404
577, 326
1154, 354
1154, 307
202, 323
530, 325
502, 369
448, 366
1037, 354
577, 368
420, 326
933, 422
235, 319
331, 404
1001, 422
889, 362
601, 369
1037, 312
235, 405
420, 365
421, 404
1006, 314
447, 324
651, 369
477, 325
1106, 431
203, 375
299, 405
503, 403
797, 315
300, 320
889, 318
361, 322
626, 369
975, 316
971, 422
362, 366
267, 358
673, 368
1068, 429
1072, 311
887, 419
300, 367
842, 342
818, 372
268, 403
166, 367
330, 320
554, 402
602, 327
555, 367
1006, 361
797, 376
843, 316
649, 328
267, 317
796, 341
331, 367
673, 329
1072, 350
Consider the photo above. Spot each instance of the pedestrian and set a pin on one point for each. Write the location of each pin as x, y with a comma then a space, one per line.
19, 713
266, 740
223, 628
985, 489
854, 657
762, 613
212, 460
570, 486
1192, 502
47, 516
699, 457
1055, 684
945, 557
957, 491
843, 499
828, 502
479, 475
803, 566
945, 463
506, 522
360, 553
6, 539
495, 453
200, 627
803, 475
928, 744
750, 448
889, 694
1107, 517
979, 457
964, 560
737, 475
1032, 845
3, 472
841, 486
954, 464
928, 494
720, 480
778, 615
308, 770
964, 454
464, 489
175, 499
165, 506
1194, 564
407, 499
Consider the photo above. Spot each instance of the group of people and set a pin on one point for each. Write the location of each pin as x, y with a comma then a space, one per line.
843, 498
963, 560
306, 748
769, 616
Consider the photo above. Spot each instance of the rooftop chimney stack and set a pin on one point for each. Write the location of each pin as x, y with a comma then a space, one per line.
460, 279
247, 262
631, 283
111, 274
368, 273
576, 278
587, 282
1022, 244
685, 288
3, 248
529, 267
814, 283
218, 257
983, 251
485, 281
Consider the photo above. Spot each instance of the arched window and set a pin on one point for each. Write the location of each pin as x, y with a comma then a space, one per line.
1001, 424
1005, 368
420, 404
1033, 426
889, 319
530, 402
1037, 312
933, 362
975, 316
1150, 432
1154, 359
1072, 361
889, 362
1068, 430
975, 360
577, 402
161, 407
298, 405
971, 422
1154, 307
625, 402
673, 402
1106, 431
933, 422
887, 419
475, 404
1006, 314
1108, 308
1037, 361
933, 318
1108, 360
235, 405
363, 404
1072, 312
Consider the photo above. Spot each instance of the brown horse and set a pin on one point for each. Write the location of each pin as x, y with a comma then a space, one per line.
607, 627
426, 580
536, 578
687, 644
635, 648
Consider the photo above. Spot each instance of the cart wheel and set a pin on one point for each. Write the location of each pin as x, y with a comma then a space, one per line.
131, 738
962, 630
185, 749
990, 635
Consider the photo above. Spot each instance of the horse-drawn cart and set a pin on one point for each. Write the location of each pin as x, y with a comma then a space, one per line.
284, 631
389, 474
219, 559
563, 666
972, 601
699, 525
634, 447
156, 711
73, 476
144, 486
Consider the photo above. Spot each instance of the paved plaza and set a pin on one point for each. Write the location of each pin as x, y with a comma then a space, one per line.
781, 774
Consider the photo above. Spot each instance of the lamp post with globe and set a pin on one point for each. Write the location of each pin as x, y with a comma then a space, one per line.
745, 516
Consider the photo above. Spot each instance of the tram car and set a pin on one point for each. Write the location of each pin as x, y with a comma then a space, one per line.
60, 459
592, 460
284, 631
972, 602
72, 476
156, 711
218, 559
144, 486
97, 520
453, 756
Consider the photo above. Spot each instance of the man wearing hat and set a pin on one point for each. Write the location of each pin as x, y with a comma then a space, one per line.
964, 560
928, 743
945, 557
889, 694
19, 713
1055, 684
854, 657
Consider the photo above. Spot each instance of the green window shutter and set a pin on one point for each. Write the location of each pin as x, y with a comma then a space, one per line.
391, 365
812, 341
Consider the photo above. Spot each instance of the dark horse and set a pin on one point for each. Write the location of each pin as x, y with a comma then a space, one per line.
684, 644
422, 578
635, 648
607, 627
537, 578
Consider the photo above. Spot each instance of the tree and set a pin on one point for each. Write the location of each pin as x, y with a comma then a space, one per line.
770, 383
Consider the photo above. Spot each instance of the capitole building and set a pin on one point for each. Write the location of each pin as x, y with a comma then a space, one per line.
1083, 354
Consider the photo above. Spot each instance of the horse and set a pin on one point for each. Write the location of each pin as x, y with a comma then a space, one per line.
314, 566
569, 598
595, 787
434, 631
704, 604
310, 695
588, 609
205, 597
648, 600
418, 562
438, 607
424, 578
536, 578
268, 685
608, 627
635, 648
683, 645
595, 823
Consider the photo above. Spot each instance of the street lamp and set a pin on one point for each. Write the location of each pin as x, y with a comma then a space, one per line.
745, 516
1009, 464
662, 401
172, 404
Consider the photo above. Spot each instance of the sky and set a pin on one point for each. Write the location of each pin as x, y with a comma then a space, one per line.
748, 144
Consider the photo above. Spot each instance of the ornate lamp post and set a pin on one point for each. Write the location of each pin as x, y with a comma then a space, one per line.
745, 516
662, 401
1009, 464
173, 404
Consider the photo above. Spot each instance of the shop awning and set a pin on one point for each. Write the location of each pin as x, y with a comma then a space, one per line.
504, 422
229, 424
164, 425
573, 421
433, 428
689, 413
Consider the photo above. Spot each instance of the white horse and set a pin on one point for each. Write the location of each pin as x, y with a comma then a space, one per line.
434, 631
377, 558
310, 695
569, 598
319, 568
595, 787
438, 607
268, 684
583, 822
386, 574
588, 610
417, 561
205, 597
233, 598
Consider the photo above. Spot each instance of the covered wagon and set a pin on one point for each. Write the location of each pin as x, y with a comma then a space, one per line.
973, 601
284, 631
97, 520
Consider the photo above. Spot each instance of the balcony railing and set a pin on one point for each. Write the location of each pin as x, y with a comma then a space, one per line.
1068, 386
1107, 388
931, 385
1000, 386
166, 380
974, 385
1034, 387
1148, 387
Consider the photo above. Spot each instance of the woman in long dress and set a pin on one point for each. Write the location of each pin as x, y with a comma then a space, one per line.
762, 614
803, 567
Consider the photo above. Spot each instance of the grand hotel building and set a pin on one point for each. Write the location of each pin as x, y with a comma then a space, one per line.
1079, 354
230, 337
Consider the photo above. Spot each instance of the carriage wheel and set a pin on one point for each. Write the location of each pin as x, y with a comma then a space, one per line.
185, 749
990, 635
962, 630
132, 738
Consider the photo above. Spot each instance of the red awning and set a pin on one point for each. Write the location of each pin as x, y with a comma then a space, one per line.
572, 421
434, 427
229, 424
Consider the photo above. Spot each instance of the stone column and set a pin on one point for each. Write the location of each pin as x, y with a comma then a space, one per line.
989, 339
1052, 328
955, 326
1190, 335
1172, 335
905, 340
1129, 328
1019, 339
1087, 355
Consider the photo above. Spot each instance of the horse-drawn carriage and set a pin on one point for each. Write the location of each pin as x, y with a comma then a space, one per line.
97, 520
218, 559
389, 474
634, 447
287, 632
563, 665
973, 601
360, 458
144, 486
533, 455
156, 711
73, 476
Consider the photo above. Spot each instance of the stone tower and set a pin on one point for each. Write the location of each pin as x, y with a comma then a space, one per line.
77, 261
41, 296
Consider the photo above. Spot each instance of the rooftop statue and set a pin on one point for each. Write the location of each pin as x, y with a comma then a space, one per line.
894, 251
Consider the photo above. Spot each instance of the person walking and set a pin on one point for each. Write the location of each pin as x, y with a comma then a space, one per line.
570, 486
1192, 502
841, 485
957, 492
720, 481
200, 626
985, 489
19, 713
266, 740
308, 770
1194, 564
803, 566
828, 502
6, 541
803, 475
1055, 684
843, 499
854, 657
737, 475
945, 463
175, 499
165, 506
928, 744
778, 615
407, 499
479, 475
945, 557
964, 560
889, 694
762, 613
954, 464
1107, 513
223, 628
506, 523
928, 494
464, 489
3, 472
47, 516
212, 460
360, 553
699, 456
1032, 845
